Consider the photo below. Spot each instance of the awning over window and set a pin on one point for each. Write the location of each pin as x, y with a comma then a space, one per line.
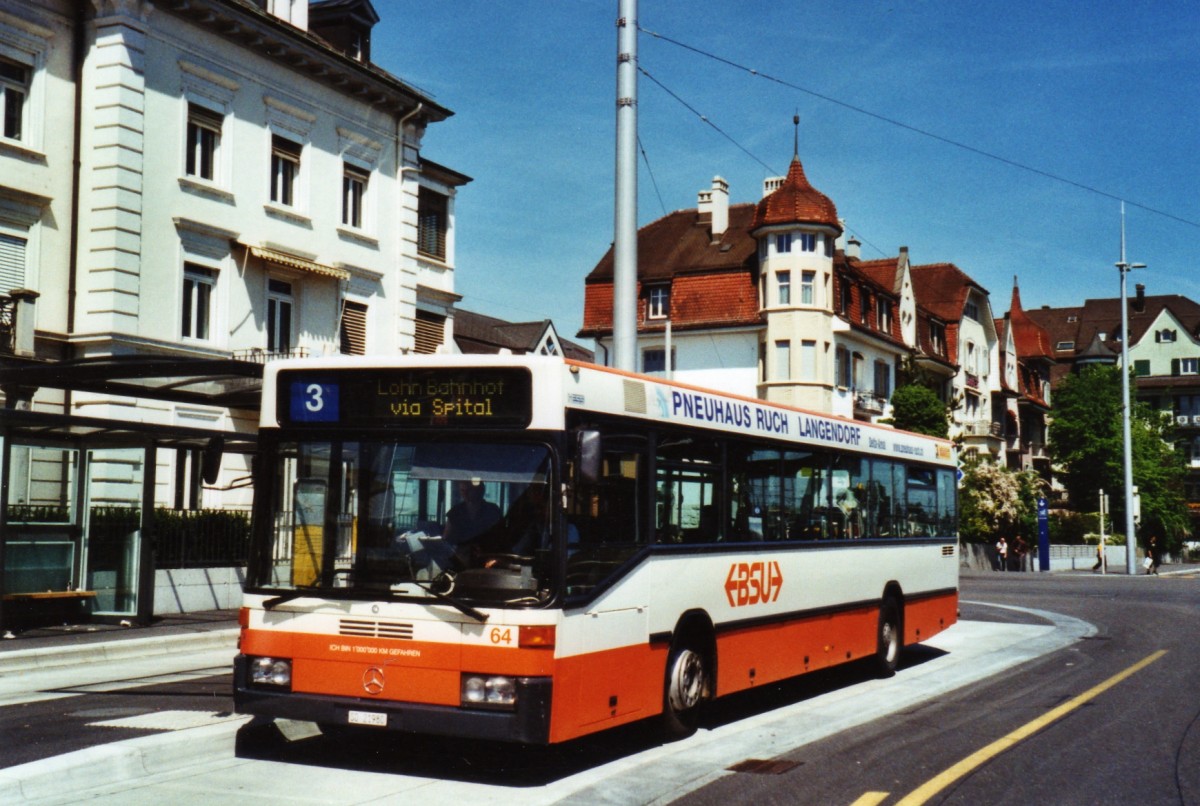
290, 261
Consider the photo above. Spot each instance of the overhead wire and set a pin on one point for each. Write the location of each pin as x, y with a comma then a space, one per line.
915, 129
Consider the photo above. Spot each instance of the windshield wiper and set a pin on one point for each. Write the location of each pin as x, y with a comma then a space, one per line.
461, 607
275, 601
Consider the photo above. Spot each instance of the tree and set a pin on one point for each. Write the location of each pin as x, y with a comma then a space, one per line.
918, 408
994, 500
1086, 443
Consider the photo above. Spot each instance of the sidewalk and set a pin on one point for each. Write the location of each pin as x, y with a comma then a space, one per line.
48, 647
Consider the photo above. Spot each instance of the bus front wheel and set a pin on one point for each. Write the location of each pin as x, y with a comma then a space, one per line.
687, 682
888, 640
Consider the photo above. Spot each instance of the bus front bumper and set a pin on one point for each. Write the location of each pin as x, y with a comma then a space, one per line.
529, 723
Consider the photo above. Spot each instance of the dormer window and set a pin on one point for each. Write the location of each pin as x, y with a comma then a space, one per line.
658, 302
937, 338
885, 315
971, 310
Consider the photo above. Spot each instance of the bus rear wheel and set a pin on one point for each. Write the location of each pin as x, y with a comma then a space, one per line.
888, 642
687, 683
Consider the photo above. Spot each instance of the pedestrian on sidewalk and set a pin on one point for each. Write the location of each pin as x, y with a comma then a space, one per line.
1154, 555
1002, 553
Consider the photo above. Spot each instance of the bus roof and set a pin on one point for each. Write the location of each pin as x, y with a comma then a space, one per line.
560, 385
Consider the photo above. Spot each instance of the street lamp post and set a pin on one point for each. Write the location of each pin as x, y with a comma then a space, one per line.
1130, 538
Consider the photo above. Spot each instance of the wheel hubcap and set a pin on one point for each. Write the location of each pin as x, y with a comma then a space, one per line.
687, 681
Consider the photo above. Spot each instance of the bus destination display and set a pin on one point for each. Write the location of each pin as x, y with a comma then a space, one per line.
493, 397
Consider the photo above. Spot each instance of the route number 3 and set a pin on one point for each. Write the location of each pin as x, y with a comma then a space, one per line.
313, 402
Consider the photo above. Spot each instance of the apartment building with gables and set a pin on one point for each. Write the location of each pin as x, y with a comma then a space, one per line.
1164, 351
760, 300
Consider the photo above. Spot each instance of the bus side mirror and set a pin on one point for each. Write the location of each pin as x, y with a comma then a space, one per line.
587, 455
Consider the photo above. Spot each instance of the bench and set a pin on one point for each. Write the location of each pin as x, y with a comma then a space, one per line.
23, 611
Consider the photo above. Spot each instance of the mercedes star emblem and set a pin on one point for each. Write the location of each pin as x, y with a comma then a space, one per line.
373, 680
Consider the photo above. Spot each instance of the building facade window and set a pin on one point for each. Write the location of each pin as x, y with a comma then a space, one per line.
279, 316
12, 262
198, 285
843, 368
430, 332
285, 170
783, 360
1189, 366
783, 281
354, 192
658, 302
432, 223
808, 241
884, 310
864, 316
937, 338
843, 297
353, 330
203, 142
808, 283
654, 359
883, 380
808, 359
14, 89
783, 243
1165, 336
971, 310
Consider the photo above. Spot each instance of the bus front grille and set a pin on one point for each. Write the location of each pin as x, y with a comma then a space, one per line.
367, 628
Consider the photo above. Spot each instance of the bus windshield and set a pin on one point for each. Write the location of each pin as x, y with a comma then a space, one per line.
470, 520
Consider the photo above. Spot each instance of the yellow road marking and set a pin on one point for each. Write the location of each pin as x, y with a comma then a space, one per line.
871, 799
939, 782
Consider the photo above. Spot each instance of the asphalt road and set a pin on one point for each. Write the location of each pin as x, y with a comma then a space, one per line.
1136, 740
1106, 691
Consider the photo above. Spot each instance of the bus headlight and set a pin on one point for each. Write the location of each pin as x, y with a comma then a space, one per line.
275, 672
488, 691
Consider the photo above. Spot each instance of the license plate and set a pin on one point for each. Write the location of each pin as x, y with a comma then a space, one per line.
368, 718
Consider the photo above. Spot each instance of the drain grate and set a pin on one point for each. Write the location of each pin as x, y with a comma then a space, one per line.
760, 766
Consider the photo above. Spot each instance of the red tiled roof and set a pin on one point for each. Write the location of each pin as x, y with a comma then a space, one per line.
796, 202
719, 299
1032, 340
682, 241
943, 289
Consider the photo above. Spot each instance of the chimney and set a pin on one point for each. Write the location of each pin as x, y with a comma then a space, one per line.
772, 184
720, 207
1139, 303
853, 247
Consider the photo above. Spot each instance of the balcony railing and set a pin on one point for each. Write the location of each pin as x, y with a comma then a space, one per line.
869, 402
8, 324
981, 428
258, 355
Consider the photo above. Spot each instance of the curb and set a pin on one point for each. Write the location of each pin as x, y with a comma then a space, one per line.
22, 660
67, 778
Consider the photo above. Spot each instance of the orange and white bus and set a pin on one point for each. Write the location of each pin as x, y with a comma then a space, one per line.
530, 549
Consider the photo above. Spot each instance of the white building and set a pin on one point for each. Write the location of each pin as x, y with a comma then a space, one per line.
204, 179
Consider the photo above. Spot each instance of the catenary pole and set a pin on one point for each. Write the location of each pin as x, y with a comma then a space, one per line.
1126, 441
625, 202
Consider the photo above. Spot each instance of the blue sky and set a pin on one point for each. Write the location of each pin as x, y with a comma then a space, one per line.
1103, 95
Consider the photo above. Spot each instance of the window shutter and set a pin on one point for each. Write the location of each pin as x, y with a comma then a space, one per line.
431, 330
12, 263
354, 328
1174, 366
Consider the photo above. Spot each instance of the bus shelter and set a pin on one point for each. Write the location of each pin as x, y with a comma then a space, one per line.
78, 492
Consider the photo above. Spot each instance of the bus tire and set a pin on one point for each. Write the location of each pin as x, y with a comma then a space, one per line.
687, 684
889, 638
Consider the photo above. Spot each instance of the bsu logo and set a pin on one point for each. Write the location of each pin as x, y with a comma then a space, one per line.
753, 583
